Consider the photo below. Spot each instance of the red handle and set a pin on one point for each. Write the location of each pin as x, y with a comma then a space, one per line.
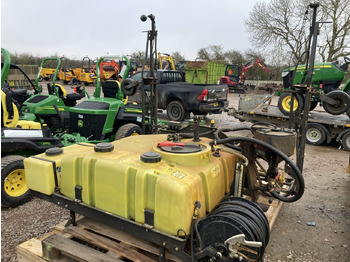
170, 143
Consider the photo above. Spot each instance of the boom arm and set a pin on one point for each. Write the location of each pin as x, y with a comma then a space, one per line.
166, 57
252, 63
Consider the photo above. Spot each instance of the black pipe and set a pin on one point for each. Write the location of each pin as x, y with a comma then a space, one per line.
296, 170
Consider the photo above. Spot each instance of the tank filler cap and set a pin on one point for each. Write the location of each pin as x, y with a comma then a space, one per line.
151, 157
104, 147
54, 151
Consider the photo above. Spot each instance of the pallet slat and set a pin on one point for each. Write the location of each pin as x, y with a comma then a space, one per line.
56, 246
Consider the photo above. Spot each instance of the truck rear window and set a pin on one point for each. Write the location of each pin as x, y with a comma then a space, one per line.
171, 77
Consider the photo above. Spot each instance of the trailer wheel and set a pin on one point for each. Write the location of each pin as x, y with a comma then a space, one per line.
315, 135
128, 130
176, 111
342, 105
14, 191
345, 141
285, 101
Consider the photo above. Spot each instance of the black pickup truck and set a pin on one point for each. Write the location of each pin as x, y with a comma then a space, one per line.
180, 98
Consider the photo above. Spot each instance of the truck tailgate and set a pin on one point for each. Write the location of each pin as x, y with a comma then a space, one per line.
217, 93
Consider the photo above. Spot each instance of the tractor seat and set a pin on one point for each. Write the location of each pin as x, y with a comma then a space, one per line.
20, 92
75, 96
110, 88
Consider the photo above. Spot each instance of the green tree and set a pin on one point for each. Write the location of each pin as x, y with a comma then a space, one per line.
276, 26
212, 52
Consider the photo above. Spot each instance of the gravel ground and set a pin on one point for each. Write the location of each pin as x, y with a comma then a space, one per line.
325, 202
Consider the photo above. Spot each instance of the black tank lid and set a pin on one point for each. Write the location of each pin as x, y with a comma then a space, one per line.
54, 151
151, 157
104, 147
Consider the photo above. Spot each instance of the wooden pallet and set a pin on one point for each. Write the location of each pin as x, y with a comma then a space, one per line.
92, 241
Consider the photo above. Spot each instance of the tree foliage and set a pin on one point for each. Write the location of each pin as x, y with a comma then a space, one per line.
276, 26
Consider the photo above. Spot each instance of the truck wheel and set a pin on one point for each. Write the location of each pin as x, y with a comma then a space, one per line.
14, 190
128, 130
285, 100
315, 135
345, 141
342, 105
176, 111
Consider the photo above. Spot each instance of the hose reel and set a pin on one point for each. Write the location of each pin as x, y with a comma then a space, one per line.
236, 230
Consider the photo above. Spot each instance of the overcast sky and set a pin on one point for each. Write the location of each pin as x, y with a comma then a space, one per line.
76, 28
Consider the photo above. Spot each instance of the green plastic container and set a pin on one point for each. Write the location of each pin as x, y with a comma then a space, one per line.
204, 72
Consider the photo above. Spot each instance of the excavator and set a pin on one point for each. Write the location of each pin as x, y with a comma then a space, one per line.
235, 74
166, 57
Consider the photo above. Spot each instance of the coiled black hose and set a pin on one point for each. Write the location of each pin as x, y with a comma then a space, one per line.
233, 216
297, 174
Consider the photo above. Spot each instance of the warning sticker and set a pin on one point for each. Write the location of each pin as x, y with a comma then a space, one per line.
205, 156
215, 171
178, 174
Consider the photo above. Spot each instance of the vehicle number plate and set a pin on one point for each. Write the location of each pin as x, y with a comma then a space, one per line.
216, 104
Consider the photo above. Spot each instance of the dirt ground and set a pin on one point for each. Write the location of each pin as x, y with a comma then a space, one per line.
325, 204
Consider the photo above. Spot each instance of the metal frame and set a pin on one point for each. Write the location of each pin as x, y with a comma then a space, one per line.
174, 245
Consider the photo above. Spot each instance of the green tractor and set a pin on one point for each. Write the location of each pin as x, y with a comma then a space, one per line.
326, 81
19, 139
105, 117
46, 108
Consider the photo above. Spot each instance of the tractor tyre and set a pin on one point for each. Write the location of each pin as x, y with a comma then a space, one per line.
14, 191
315, 135
128, 130
176, 111
342, 105
345, 141
285, 100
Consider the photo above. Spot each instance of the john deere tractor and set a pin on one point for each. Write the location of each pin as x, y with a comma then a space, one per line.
47, 108
19, 139
107, 116
326, 82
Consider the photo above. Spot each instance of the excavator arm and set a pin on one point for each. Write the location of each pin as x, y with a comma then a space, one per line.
252, 63
168, 58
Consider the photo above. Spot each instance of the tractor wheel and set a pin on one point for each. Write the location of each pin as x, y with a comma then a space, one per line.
315, 135
285, 101
40, 79
342, 105
14, 190
345, 141
128, 130
176, 111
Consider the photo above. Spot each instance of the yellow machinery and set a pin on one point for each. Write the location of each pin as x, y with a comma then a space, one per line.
65, 74
168, 58
85, 74
46, 74
153, 178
